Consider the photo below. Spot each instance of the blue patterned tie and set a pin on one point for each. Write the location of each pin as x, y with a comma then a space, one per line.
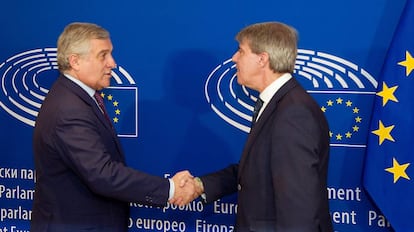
256, 110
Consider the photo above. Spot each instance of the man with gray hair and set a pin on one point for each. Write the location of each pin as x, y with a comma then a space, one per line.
281, 179
83, 183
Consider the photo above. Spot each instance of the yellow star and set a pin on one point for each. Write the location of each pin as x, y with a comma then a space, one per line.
117, 112
116, 120
355, 128
323, 108
110, 97
330, 103
348, 134
330, 134
398, 170
387, 93
115, 103
338, 137
384, 132
348, 103
408, 63
355, 110
339, 100
358, 119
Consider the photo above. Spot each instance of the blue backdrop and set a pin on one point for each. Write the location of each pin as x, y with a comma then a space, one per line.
174, 98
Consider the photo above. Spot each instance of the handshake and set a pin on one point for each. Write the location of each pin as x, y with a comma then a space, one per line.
187, 188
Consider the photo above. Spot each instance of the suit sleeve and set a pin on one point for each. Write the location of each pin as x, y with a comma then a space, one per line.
91, 153
220, 183
295, 165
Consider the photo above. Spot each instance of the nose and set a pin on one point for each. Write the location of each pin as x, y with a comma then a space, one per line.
235, 57
111, 62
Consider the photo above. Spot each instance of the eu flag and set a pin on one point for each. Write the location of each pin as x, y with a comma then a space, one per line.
121, 104
389, 167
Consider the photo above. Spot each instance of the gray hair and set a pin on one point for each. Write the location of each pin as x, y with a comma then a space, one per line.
75, 39
277, 39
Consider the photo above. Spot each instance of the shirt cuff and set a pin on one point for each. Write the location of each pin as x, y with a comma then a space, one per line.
172, 189
204, 197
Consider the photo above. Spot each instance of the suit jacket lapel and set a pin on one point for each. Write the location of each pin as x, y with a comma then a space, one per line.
77, 90
262, 121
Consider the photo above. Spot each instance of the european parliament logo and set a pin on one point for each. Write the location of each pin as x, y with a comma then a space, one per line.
344, 91
26, 77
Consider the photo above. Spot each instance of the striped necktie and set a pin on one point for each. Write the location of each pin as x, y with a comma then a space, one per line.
100, 101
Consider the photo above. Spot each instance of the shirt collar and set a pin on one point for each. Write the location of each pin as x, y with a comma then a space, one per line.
267, 94
88, 89
270, 90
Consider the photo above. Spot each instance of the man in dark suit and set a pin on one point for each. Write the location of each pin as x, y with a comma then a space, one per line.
282, 174
83, 183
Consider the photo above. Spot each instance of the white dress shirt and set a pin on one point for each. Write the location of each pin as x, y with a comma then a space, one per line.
267, 94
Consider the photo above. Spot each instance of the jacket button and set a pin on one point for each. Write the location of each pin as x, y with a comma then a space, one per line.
239, 187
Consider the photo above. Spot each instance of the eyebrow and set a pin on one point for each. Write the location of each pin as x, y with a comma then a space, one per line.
104, 51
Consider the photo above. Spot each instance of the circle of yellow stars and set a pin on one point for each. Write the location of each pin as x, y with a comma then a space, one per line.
115, 104
355, 110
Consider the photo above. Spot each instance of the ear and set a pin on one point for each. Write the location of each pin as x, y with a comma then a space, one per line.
263, 59
74, 61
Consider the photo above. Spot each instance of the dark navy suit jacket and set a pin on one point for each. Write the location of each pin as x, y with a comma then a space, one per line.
282, 173
83, 183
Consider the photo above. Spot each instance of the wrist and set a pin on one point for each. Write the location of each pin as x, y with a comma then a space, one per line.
199, 185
